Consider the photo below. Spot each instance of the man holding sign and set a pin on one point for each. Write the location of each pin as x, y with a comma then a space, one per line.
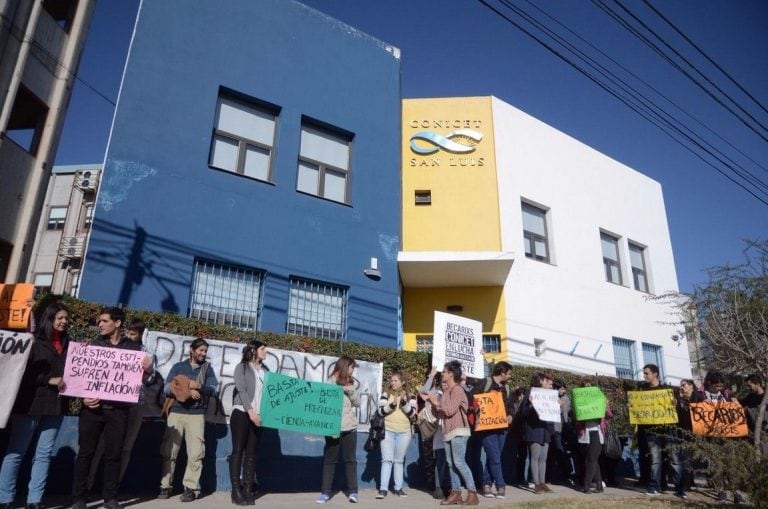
100, 375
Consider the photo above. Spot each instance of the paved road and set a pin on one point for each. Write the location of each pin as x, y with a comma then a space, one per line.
415, 499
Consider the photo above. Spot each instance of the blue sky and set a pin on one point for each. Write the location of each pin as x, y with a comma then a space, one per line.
462, 48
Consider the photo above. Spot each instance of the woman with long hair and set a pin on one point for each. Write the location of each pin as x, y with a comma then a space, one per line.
397, 407
538, 435
245, 421
343, 375
37, 412
452, 408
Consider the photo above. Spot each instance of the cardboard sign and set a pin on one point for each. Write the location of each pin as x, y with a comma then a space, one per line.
111, 374
547, 404
492, 414
588, 403
224, 356
719, 419
14, 352
458, 338
294, 404
16, 305
652, 407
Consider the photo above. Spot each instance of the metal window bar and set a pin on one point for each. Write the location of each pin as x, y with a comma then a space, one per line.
624, 358
316, 309
226, 295
492, 343
652, 355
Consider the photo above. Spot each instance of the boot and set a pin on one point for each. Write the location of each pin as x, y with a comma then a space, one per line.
453, 499
471, 498
249, 474
235, 463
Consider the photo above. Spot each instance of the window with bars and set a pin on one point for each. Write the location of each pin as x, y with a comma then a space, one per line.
535, 232
624, 358
57, 216
317, 309
424, 344
226, 294
652, 355
637, 260
611, 261
491, 343
243, 137
323, 163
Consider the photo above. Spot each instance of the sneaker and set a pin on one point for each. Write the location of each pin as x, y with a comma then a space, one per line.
381, 494
77, 504
353, 498
500, 492
400, 493
532, 486
681, 494
165, 493
323, 498
188, 495
439, 495
651, 492
111, 504
488, 491
545, 488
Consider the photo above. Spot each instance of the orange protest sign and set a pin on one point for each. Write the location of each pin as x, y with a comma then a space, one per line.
15, 305
719, 419
492, 414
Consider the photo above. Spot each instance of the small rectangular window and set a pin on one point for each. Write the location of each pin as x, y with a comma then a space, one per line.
424, 344
323, 168
243, 137
423, 197
535, 232
87, 215
624, 358
317, 309
611, 260
57, 216
491, 343
226, 294
27, 120
637, 260
43, 281
652, 355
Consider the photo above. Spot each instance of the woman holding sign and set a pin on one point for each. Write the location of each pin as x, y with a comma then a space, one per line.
38, 408
397, 407
245, 421
343, 375
538, 434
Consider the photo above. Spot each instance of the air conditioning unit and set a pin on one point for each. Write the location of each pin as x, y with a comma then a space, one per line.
72, 247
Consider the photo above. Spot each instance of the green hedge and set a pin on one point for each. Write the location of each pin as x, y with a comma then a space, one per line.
415, 365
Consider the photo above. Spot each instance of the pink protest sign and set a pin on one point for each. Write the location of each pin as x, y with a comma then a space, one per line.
111, 374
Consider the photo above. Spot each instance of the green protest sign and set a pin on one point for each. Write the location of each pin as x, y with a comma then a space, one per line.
294, 404
588, 403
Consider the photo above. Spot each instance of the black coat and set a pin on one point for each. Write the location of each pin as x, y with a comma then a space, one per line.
536, 430
36, 396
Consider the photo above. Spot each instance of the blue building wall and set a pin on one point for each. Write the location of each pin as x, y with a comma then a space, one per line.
160, 205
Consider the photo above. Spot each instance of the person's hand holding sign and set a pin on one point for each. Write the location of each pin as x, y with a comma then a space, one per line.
194, 389
92, 402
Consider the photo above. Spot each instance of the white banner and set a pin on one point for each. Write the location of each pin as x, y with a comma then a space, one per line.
224, 356
14, 352
547, 404
458, 338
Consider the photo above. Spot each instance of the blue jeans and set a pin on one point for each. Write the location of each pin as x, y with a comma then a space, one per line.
24, 429
455, 454
493, 443
656, 444
393, 449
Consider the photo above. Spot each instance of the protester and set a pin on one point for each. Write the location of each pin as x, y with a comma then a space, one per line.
427, 443
591, 437
397, 407
245, 421
37, 411
452, 408
538, 435
561, 437
438, 446
658, 438
134, 332
517, 447
493, 440
191, 382
107, 419
343, 375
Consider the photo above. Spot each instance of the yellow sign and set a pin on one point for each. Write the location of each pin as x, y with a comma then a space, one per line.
16, 305
492, 414
652, 407
719, 419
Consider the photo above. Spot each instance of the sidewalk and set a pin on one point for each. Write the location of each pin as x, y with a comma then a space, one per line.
415, 499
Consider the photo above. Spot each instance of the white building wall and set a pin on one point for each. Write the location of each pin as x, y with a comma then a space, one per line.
568, 303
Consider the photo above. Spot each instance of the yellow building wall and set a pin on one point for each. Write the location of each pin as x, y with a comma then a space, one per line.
485, 304
464, 213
